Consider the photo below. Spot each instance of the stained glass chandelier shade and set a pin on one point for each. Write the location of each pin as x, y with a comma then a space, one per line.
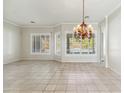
83, 30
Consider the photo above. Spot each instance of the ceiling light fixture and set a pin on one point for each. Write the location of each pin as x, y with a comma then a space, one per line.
83, 30
32, 22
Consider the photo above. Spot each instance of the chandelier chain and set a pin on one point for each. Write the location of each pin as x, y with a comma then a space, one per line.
83, 10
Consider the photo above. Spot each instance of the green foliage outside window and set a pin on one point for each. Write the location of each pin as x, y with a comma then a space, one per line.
58, 44
85, 43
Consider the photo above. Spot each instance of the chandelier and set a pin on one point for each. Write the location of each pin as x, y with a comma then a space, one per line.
83, 30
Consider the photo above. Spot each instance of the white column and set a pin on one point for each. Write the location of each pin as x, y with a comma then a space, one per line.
106, 42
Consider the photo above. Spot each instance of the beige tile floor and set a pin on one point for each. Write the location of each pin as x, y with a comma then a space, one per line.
55, 77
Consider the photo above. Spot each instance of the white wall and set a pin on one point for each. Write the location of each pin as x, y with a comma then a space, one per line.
63, 28
114, 28
26, 44
111, 27
11, 43
17, 44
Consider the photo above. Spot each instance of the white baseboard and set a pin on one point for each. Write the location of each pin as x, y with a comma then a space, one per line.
11, 61
58, 60
39, 59
79, 60
115, 71
50, 59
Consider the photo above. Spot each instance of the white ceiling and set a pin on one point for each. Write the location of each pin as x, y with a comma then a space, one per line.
50, 12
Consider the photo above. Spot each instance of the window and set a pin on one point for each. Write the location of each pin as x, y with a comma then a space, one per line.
73, 45
76, 46
40, 43
57, 43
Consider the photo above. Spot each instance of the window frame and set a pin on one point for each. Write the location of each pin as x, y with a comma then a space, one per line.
40, 34
56, 34
80, 54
